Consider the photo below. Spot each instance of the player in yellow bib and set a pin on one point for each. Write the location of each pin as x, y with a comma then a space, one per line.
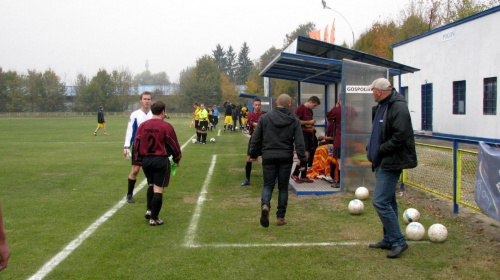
202, 116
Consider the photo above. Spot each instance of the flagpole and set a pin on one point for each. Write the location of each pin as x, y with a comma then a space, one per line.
326, 7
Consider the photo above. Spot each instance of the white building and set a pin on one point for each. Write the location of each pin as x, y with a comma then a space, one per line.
455, 92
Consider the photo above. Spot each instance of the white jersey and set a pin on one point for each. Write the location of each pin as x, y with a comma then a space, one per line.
136, 118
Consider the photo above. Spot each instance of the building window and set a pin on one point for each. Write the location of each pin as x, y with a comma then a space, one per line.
459, 98
490, 96
427, 106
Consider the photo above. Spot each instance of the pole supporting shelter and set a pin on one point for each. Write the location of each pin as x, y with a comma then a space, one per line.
331, 72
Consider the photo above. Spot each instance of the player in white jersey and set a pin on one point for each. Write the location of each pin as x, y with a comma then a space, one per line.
136, 118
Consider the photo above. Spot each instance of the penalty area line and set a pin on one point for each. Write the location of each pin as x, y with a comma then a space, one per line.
318, 244
193, 225
236, 245
73, 245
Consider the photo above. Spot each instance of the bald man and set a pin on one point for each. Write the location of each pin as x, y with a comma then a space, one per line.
275, 137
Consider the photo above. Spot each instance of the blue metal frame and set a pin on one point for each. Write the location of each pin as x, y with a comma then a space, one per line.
457, 139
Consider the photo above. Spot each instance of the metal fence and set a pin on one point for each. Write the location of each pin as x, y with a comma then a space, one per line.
445, 171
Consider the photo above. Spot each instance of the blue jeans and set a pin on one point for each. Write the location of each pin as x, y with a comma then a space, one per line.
384, 201
273, 169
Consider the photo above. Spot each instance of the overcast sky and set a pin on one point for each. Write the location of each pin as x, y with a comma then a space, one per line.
83, 36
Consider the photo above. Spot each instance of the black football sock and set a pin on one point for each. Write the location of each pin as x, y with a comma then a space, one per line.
248, 170
303, 174
198, 136
296, 171
131, 185
149, 197
204, 137
332, 170
156, 205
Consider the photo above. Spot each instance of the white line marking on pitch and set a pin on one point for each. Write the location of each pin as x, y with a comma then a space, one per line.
218, 133
236, 245
275, 245
191, 233
57, 259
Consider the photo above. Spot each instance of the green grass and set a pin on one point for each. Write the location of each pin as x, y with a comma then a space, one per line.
57, 179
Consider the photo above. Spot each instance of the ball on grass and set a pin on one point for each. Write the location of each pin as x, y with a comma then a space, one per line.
415, 231
193, 141
361, 193
411, 215
356, 206
212, 140
437, 233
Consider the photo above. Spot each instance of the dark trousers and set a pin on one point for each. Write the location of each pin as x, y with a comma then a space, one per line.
272, 169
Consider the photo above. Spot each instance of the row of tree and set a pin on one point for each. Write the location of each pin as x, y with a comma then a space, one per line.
236, 69
33, 92
214, 78
418, 17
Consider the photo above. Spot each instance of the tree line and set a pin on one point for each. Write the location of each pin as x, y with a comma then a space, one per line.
214, 78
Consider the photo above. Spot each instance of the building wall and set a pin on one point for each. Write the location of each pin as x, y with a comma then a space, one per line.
468, 52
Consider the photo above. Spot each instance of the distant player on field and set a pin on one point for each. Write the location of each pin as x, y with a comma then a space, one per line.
156, 141
228, 121
101, 122
136, 118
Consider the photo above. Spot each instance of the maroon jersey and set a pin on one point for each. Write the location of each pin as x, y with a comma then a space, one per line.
156, 137
333, 128
305, 114
253, 118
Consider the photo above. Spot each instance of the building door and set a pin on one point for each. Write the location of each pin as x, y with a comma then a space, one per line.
427, 107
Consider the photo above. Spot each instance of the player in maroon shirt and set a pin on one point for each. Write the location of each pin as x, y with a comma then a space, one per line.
305, 114
253, 119
155, 142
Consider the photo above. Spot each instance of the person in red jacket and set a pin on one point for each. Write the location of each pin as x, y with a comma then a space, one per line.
253, 119
155, 142
305, 114
334, 128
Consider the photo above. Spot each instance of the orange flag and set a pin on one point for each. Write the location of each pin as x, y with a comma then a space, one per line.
316, 34
332, 34
325, 36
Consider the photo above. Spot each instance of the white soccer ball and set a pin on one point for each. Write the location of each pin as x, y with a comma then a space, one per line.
193, 141
362, 193
437, 233
212, 140
411, 215
415, 231
356, 206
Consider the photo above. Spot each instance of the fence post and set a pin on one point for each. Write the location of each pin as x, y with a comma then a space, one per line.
455, 170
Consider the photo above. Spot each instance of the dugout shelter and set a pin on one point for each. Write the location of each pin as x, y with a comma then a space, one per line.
329, 72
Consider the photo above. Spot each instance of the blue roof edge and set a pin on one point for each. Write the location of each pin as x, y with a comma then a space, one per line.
449, 25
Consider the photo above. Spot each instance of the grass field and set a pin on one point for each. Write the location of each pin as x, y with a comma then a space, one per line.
58, 180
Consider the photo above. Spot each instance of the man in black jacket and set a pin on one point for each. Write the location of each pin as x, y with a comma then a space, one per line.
390, 150
274, 139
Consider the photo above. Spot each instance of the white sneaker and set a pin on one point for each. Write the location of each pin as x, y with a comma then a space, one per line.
148, 214
157, 222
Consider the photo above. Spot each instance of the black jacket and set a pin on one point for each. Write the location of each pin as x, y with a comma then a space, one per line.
275, 136
100, 117
397, 149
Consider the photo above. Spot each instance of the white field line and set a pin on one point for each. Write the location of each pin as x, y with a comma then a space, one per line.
319, 244
218, 132
191, 233
57, 259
